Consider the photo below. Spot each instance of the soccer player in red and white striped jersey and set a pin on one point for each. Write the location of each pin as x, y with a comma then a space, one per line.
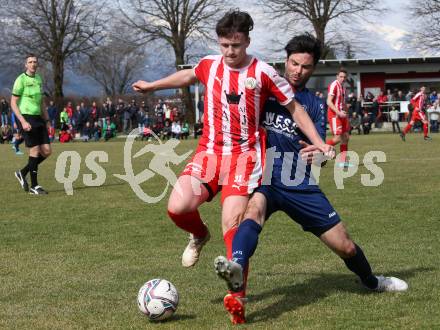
418, 103
337, 116
229, 155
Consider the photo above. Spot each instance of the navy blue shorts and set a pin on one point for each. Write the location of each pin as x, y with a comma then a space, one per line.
310, 209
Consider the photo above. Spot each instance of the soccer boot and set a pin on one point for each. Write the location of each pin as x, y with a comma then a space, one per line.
427, 138
22, 180
231, 272
402, 136
234, 304
192, 251
37, 190
390, 284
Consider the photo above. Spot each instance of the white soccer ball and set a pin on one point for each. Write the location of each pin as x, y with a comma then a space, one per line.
158, 299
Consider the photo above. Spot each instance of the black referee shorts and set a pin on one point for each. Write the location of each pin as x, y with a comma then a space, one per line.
38, 134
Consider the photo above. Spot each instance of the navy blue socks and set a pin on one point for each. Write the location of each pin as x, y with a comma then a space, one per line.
359, 265
245, 242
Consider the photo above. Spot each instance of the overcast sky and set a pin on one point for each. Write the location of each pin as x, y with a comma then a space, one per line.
386, 34
386, 31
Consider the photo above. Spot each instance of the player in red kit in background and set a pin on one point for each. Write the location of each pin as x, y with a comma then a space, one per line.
418, 102
337, 115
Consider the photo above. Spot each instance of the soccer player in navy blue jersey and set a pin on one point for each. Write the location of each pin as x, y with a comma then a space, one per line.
289, 186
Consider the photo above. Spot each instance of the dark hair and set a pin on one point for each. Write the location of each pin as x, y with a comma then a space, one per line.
234, 21
30, 55
304, 43
342, 70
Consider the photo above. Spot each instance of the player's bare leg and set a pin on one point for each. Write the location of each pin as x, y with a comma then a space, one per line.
187, 195
337, 239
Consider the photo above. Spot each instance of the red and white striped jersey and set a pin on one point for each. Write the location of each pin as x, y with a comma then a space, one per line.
338, 92
234, 100
418, 101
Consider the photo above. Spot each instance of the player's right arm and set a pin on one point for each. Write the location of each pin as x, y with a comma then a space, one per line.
178, 79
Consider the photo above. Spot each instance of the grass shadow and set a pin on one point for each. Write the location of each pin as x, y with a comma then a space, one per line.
294, 296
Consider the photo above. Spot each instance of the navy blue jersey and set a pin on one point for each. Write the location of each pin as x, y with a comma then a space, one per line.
282, 168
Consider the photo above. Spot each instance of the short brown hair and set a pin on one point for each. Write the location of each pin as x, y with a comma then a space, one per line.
234, 21
31, 55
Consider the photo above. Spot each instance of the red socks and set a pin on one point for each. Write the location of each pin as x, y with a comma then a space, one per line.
190, 222
343, 148
228, 238
407, 129
425, 130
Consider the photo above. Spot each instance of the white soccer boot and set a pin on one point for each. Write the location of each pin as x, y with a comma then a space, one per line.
231, 272
390, 284
192, 251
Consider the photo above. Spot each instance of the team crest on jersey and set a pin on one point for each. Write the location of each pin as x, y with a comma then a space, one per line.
250, 83
233, 98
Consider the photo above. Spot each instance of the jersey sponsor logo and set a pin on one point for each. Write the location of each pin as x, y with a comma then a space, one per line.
281, 123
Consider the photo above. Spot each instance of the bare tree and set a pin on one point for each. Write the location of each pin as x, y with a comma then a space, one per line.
113, 65
427, 15
325, 17
179, 23
55, 30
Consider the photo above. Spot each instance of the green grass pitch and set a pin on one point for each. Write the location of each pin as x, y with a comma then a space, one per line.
77, 262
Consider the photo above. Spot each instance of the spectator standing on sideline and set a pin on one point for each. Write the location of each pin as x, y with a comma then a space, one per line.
64, 119
69, 110
351, 103
53, 113
77, 120
400, 97
433, 97
390, 96
145, 110
141, 119
434, 114
200, 106
93, 113
382, 100
4, 109
394, 117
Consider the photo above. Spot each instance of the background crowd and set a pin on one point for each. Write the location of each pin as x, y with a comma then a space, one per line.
103, 121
